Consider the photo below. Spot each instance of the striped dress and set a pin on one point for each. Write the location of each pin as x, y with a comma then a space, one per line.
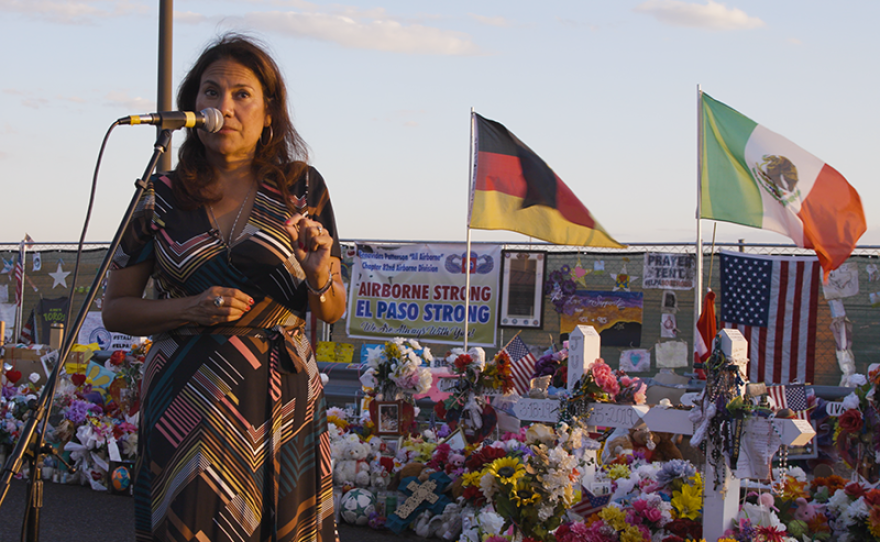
233, 442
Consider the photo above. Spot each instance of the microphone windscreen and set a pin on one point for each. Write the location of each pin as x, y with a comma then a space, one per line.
213, 120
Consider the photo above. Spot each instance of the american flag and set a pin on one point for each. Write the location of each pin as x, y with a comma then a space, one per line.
773, 301
590, 504
19, 274
522, 364
793, 396
29, 329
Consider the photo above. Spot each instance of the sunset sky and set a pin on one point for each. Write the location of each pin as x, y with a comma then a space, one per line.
605, 92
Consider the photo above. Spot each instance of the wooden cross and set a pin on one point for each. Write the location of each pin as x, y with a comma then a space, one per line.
420, 493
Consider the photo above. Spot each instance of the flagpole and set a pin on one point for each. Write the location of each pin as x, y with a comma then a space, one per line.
467, 283
698, 275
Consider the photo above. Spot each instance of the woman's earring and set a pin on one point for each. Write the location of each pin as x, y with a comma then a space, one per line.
271, 135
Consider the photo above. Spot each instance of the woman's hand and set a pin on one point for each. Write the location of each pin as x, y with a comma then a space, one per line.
217, 305
125, 309
311, 247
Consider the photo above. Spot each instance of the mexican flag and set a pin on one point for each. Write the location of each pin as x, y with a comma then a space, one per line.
758, 178
514, 189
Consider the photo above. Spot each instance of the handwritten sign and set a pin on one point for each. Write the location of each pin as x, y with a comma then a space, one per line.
609, 415
537, 410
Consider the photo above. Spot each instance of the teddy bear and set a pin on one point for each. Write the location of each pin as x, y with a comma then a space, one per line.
352, 466
448, 524
806, 511
654, 446
419, 470
666, 448
381, 468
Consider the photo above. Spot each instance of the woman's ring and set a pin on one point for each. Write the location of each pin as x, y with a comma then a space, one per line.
320, 230
218, 301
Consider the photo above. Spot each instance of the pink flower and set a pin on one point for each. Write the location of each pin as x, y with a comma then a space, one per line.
625, 381
653, 515
600, 368
640, 397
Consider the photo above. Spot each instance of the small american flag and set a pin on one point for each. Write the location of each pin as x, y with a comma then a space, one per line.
590, 504
522, 364
19, 274
793, 396
29, 329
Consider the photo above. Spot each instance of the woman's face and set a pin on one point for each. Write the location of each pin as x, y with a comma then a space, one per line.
233, 89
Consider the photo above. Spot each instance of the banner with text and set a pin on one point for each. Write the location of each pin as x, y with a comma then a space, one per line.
419, 290
668, 271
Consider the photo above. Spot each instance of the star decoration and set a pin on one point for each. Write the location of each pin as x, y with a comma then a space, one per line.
623, 279
59, 276
579, 274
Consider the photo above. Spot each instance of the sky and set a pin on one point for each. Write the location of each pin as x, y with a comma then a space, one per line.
381, 90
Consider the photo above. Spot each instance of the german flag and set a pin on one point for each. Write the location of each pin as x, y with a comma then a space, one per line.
513, 189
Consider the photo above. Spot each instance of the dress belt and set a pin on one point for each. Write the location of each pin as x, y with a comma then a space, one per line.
280, 338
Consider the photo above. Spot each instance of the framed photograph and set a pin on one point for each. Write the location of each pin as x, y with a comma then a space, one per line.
456, 440
388, 418
392, 444
522, 290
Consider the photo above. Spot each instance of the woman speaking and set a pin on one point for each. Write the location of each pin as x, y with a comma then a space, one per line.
241, 241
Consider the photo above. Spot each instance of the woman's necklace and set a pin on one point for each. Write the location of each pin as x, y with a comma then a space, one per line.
228, 240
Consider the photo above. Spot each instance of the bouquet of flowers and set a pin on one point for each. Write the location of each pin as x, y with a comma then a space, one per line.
855, 438
530, 485
478, 376
555, 365
601, 384
398, 370
12, 409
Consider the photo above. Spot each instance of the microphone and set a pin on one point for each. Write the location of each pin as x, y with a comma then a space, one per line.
209, 120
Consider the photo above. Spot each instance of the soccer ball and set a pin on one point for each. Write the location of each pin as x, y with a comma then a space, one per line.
357, 505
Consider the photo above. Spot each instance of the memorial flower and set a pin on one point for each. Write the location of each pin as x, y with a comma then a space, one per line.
688, 502
398, 370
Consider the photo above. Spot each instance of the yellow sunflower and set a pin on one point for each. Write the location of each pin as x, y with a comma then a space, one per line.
508, 470
524, 494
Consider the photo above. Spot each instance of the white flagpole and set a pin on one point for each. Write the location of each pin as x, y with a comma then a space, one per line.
471, 165
698, 275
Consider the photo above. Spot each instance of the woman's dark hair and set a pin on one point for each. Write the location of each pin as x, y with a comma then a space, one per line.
281, 154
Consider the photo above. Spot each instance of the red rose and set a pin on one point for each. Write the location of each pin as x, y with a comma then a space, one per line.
117, 357
440, 410
851, 421
854, 490
461, 362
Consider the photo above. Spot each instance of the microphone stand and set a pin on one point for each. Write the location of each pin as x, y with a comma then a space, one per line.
31, 441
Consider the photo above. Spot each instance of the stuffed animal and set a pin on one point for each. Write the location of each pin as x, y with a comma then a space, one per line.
448, 524
352, 467
805, 511
418, 470
654, 446
423, 526
381, 468
667, 448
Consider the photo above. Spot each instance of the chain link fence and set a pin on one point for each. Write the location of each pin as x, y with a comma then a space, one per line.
600, 267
